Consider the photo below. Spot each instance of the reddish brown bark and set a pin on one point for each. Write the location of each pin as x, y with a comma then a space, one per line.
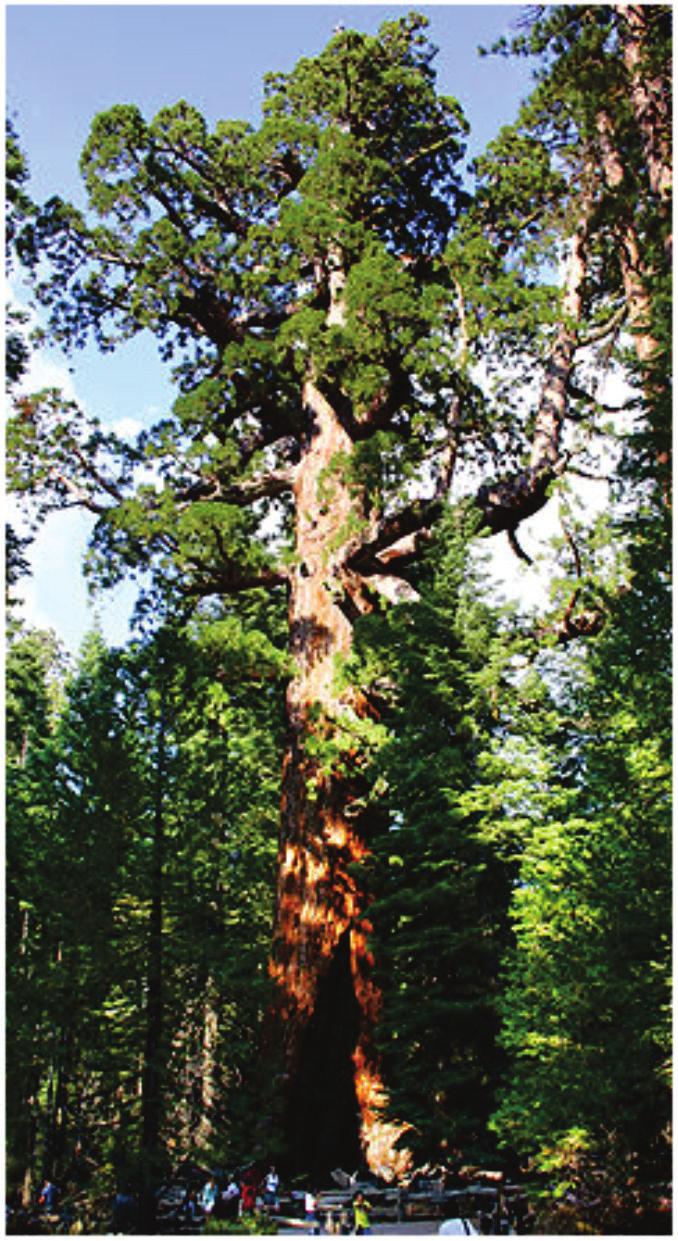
650, 97
321, 905
320, 901
651, 103
634, 275
634, 272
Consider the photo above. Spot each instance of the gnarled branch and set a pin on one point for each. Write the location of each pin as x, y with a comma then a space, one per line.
509, 501
388, 545
275, 483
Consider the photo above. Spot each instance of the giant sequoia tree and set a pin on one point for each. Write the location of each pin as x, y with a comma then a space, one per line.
322, 284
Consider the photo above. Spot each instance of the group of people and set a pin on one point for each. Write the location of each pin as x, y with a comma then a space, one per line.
236, 1197
243, 1196
230, 1198
360, 1211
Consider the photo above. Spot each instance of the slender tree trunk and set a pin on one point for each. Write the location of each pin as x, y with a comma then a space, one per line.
650, 99
151, 1082
208, 1049
185, 1052
553, 403
637, 295
57, 1134
28, 1182
636, 283
28, 1108
634, 275
506, 503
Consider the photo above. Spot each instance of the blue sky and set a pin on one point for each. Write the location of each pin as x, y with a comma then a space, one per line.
65, 63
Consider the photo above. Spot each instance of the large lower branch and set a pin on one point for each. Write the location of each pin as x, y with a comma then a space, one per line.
80, 498
229, 581
509, 501
273, 484
396, 538
505, 504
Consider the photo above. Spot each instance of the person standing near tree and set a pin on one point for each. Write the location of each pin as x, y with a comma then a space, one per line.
125, 1211
248, 1192
361, 1215
208, 1197
189, 1207
47, 1196
311, 1211
271, 1186
230, 1199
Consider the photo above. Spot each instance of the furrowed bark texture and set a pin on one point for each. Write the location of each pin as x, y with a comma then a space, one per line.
321, 908
634, 275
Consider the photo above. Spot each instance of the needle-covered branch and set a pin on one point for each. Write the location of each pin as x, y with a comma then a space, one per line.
57, 457
397, 537
573, 624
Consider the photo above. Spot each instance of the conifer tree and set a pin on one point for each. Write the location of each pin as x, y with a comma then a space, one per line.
576, 796
140, 907
440, 893
322, 285
580, 800
33, 671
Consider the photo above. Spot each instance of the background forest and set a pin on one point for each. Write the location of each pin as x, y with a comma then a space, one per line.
454, 938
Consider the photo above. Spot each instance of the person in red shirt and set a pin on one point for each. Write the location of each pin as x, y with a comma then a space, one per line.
248, 1193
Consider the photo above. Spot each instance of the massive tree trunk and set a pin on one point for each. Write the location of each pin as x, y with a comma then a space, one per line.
321, 948
321, 951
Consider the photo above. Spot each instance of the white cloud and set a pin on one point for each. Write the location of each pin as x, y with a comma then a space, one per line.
127, 428
46, 372
56, 597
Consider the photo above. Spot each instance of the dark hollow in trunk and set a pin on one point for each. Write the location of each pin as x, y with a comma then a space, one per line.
323, 1116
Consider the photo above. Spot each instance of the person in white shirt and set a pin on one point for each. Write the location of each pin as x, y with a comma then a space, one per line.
311, 1209
208, 1196
271, 1186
